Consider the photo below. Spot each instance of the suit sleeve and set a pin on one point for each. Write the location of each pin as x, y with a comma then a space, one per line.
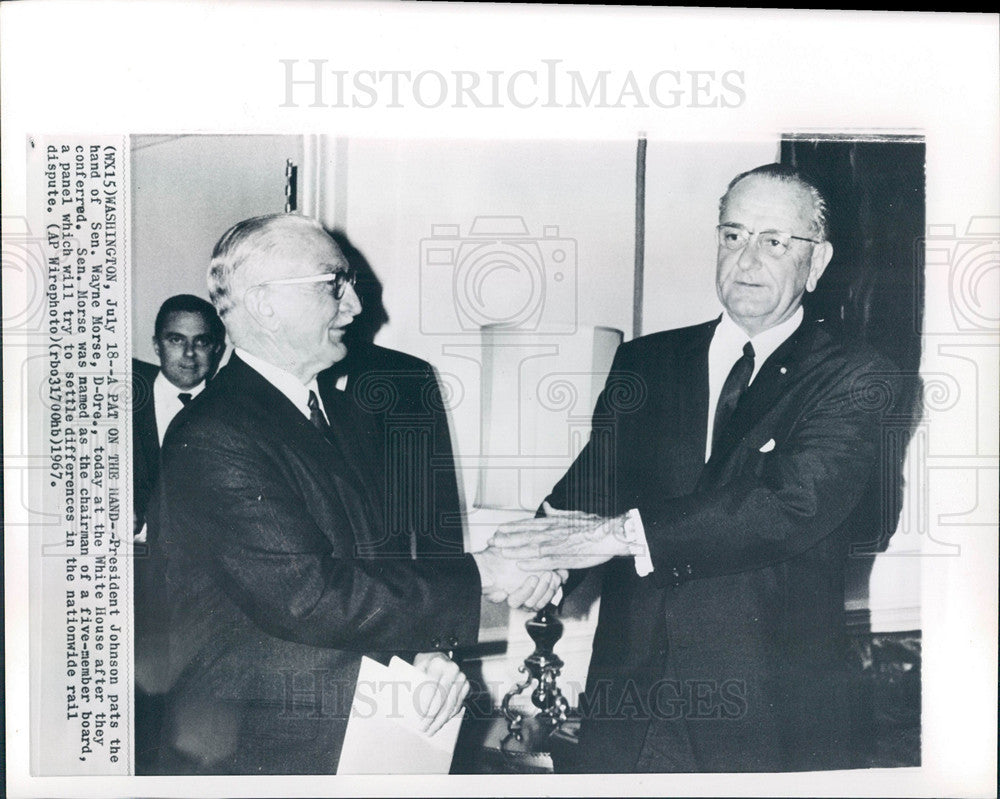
590, 483
770, 506
232, 514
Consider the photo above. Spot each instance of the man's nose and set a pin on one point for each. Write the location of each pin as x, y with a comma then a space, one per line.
350, 303
189, 349
750, 256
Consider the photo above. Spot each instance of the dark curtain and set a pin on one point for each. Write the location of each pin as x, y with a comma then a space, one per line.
875, 286
875, 193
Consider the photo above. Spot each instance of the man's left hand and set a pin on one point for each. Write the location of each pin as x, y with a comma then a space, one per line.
562, 539
450, 689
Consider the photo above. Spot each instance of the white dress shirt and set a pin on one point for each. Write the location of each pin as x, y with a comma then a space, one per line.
725, 349
287, 383
166, 402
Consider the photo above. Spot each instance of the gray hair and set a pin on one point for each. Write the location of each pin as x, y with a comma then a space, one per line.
245, 243
781, 173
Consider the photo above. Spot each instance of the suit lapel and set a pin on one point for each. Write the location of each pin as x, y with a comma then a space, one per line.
331, 448
147, 445
771, 383
690, 388
349, 437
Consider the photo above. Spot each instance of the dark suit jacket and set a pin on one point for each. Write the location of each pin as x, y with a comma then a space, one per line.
266, 606
400, 399
145, 439
729, 655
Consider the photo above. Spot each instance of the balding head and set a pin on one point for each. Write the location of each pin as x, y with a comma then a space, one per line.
809, 196
248, 253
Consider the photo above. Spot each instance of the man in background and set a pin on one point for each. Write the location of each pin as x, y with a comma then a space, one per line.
404, 401
188, 337
723, 496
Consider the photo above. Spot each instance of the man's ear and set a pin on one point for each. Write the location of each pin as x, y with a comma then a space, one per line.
259, 307
157, 348
821, 255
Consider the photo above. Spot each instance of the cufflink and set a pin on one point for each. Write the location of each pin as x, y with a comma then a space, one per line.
768, 446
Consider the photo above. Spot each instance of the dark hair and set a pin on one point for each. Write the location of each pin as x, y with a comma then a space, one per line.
189, 303
782, 173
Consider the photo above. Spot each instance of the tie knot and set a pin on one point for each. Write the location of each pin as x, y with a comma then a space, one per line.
184, 397
748, 350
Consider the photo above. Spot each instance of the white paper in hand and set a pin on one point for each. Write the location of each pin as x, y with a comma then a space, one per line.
383, 732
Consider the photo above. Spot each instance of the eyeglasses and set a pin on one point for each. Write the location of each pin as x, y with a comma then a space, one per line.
770, 242
340, 278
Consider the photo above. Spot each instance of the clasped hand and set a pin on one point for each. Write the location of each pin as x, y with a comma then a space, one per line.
561, 540
503, 579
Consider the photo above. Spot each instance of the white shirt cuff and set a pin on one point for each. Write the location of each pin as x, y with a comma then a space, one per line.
635, 537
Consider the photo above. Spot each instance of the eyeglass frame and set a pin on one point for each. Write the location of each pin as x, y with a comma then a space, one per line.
340, 278
758, 234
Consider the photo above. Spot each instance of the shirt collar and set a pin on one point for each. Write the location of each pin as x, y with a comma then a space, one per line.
287, 383
732, 337
162, 387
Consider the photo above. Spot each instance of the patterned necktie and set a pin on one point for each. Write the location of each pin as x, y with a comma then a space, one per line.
184, 397
316, 415
736, 383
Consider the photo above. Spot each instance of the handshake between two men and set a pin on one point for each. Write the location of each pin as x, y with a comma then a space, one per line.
528, 560
526, 563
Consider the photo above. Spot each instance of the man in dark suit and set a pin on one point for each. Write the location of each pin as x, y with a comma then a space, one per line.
724, 480
188, 337
403, 400
400, 398
266, 527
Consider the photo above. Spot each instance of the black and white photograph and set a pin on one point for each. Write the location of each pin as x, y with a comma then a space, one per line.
270, 548
514, 425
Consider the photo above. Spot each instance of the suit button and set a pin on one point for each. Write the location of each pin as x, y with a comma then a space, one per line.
687, 570
452, 642
435, 643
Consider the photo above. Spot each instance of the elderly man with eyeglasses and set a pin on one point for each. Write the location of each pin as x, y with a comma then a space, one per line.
266, 532
721, 501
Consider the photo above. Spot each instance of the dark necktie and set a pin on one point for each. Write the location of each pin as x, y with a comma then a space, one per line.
316, 415
736, 383
184, 397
